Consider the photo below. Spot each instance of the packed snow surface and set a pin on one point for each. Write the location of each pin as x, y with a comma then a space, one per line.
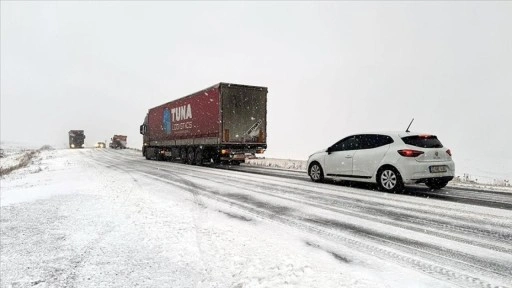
104, 218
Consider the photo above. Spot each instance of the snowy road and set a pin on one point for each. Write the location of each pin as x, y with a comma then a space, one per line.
252, 228
471, 195
395, 227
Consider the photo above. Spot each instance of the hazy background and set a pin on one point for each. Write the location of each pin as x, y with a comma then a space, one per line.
332, 68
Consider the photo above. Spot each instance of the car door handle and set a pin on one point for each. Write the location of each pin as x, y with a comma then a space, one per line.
348, 156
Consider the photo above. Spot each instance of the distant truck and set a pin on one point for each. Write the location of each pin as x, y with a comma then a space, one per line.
223, 123
76, 139
118, 142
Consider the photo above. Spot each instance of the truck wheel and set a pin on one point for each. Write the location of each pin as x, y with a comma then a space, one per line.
183, 155
191, 156
159, 156
199, 156
215, 159
149, 153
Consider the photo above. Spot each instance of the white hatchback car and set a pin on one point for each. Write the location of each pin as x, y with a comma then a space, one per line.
389, 159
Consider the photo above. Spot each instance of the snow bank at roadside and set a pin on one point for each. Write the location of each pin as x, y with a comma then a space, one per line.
288, 164
14, 158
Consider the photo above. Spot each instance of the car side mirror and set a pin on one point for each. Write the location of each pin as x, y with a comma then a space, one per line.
329, 150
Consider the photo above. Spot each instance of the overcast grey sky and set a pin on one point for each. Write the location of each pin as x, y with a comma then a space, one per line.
332, 68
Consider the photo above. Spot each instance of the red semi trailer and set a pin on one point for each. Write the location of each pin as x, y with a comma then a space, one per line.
223, 123
118, 142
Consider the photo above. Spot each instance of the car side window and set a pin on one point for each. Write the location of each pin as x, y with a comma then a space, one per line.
352, 143
373, 141
336, 146
346, 144
385, 140
368, 141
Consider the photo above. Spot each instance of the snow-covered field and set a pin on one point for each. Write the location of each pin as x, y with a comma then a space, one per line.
67, 220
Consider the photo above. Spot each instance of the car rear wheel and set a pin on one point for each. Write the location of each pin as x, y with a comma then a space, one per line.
389, 179
316, 173
436, 185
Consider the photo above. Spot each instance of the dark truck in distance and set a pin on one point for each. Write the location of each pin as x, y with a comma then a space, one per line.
118, 142
76, 139
222, 123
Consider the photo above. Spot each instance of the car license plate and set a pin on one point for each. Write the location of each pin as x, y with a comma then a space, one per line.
438, 169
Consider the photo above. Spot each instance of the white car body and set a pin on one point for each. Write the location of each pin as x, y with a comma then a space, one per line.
383, 157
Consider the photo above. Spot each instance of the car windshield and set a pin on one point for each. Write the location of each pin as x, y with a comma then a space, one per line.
429, 141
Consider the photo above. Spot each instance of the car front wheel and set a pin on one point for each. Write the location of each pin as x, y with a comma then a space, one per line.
389, 180
316, 173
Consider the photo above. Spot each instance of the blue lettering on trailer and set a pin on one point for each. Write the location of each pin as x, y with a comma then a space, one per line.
167, 121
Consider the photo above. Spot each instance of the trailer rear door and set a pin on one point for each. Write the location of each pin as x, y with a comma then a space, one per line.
244, 114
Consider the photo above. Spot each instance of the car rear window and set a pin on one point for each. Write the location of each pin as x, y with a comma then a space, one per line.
428, 141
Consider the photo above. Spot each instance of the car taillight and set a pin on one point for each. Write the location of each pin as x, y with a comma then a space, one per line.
410, 153
449, 152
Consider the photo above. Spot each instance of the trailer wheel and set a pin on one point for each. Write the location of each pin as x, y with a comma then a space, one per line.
159, 156
199, 156
183, 155
191, 156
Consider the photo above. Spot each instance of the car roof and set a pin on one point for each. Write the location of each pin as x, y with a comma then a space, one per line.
395, 133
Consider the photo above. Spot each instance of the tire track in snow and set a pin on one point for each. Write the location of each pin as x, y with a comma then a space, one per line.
404, 216
397, 213
269, 214
275, 214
